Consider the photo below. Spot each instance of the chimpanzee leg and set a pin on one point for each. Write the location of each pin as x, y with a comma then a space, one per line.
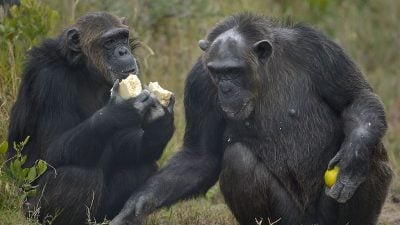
70, 194
252, 191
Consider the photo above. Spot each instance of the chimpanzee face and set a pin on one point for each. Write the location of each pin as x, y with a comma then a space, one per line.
231, 62
102, 42
118, 57
227, 60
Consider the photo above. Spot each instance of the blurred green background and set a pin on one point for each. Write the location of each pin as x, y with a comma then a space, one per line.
170, 29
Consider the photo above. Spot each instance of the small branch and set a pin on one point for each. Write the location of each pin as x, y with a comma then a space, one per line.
272, 223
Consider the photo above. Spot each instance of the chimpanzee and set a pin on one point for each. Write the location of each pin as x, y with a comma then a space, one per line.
101, 146
269, 107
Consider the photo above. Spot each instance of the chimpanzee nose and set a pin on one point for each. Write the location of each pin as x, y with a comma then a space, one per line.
225, 89
122, 51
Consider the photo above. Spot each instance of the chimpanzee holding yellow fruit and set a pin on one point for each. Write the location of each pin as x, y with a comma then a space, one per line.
269, 107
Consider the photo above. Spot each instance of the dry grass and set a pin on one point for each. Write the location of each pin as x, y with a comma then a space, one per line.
197, 211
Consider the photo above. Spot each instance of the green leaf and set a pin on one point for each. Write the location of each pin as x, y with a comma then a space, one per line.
15, 168
24, 173
41, 167
26, 187
32, 174
3, 147
23, 159
31, 193
16, 148
25, 141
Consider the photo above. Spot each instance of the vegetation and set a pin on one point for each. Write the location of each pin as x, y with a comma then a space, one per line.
169, 30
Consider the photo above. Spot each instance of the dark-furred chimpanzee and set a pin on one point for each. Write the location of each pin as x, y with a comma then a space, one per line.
102, 147
269, 108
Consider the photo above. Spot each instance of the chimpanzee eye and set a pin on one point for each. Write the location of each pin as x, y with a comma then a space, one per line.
109, 42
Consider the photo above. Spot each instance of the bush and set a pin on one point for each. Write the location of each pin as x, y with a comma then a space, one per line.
24, 28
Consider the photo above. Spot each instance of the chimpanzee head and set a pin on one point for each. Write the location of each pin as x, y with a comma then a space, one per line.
235, 55
101, 41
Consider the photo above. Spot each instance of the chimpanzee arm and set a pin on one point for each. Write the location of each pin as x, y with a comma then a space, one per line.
49, 109
84, 144
196, 167
343, 87
146, 142
158, 129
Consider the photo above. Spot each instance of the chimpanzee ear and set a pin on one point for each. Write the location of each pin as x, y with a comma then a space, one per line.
263, 49
73, 39
203, 44
124, 21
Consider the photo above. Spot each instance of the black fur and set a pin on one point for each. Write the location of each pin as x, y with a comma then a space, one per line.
101, 148
312, 109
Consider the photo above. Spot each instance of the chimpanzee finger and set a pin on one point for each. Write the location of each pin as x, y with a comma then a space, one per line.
115, 97
139, 206
142, 102
132, 220
114, 88
143, 96
171, 104
335, 159
346, 193
127, 215
335, 190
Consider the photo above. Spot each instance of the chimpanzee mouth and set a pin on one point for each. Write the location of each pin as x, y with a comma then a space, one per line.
123, 74
131, 71
126, 72
242, 113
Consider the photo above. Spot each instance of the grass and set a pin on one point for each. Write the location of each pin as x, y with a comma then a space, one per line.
368, 30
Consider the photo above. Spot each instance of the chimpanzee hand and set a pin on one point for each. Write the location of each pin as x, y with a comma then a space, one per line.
135, 210
159, 116
128, 112
353, 162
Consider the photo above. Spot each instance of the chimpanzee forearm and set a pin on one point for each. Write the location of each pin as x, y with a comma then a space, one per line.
134, 145
346, 91
155, 138
185, 176
363, 126
85, 142
188, 173
145, 141
364, 122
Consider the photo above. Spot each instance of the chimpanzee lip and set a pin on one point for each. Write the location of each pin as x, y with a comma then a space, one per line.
121, 75
130, 71
234, 113
124, 74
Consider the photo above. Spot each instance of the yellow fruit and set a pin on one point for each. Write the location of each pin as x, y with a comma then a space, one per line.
330, 176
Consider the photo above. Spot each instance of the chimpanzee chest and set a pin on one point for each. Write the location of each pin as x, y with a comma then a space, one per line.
292, 143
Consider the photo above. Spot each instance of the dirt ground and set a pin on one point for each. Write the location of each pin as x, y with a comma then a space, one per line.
391, 211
